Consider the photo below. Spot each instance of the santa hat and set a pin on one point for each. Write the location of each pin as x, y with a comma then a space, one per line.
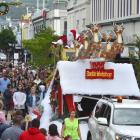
74, 33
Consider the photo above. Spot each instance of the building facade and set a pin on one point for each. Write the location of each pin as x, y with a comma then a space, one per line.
78, 14
107, 12
39, 20
57, 16
56, 20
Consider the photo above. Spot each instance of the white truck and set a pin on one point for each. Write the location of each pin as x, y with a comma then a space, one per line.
114, 119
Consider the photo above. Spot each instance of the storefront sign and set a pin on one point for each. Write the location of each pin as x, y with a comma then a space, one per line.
97, 71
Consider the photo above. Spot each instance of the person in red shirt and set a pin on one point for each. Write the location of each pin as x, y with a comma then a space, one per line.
33, 133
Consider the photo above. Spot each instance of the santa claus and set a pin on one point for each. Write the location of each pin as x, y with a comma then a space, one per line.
67, 41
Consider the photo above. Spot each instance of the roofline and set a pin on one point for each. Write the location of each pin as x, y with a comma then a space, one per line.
119, 20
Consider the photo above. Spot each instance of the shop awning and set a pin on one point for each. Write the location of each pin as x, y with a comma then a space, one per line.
73, 81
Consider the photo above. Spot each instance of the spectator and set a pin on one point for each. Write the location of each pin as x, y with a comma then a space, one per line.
8, 99
2, 114
53, 133
13, 132
71, 127
19, 99
4, 81
42, 92
33, 133
44, 132
37, 80
3, 124
33, 99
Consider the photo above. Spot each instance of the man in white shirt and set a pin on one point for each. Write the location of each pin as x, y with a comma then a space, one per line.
19, 99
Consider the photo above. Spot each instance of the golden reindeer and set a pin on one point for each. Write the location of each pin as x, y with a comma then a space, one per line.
118, 45
107, 52
94, 42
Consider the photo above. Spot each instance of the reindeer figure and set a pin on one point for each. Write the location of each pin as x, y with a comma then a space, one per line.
90, 45
107, 52
107, 38
118, 45
94, 46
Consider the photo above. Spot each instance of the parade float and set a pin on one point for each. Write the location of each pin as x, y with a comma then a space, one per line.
92, 73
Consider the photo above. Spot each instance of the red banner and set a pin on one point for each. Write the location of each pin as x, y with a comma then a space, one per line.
99, 74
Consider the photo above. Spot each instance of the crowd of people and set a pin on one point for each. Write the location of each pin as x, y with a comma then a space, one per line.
21, 89
21, 93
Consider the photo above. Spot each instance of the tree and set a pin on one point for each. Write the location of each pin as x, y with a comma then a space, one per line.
40, 47
6, 37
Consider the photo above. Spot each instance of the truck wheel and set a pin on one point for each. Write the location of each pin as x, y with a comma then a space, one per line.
89, 136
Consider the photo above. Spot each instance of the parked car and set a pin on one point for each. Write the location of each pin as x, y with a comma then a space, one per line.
114, 119
2, 56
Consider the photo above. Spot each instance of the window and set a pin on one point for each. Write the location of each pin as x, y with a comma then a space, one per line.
77, 25
127, 4
92, 10
118, 7
121, 8
137, 6
126, 116
108, 15
104, 11
112, 9
65, 27
130, 7
100, 109
124, 6
84, 23
74, 2
107, 113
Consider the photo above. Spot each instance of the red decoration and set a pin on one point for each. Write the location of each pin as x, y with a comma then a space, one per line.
53, 94
60, 103
97, 65
70, 103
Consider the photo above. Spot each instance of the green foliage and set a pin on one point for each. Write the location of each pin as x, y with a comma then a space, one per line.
40, 47
137, 40
136, 64
6, 36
